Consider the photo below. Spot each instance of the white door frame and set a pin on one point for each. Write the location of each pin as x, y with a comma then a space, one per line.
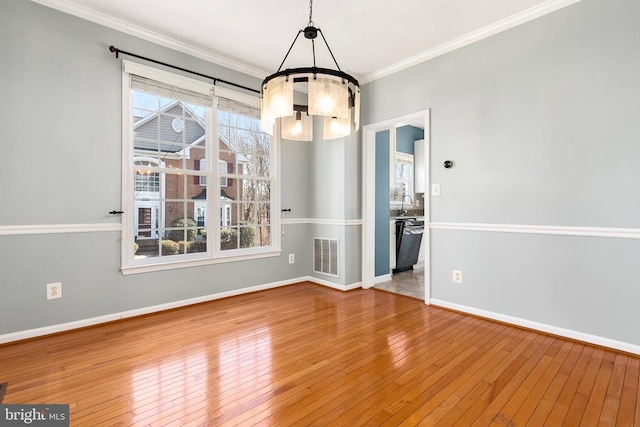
368, 195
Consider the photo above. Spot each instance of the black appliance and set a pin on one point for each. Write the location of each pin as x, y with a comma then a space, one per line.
408, 238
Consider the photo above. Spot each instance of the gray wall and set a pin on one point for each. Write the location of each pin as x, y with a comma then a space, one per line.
541, 123
539, 120
60, 138
335, 200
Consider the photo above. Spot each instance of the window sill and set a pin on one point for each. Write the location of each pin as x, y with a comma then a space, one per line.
161, 266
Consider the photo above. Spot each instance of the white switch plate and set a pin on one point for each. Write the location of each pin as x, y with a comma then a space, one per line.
292, 258
457, 276
435, 189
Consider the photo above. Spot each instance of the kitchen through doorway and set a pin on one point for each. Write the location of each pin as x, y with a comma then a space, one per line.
379, 255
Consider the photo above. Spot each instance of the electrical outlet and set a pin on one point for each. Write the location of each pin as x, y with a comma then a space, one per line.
54, 290
292, 258
457, 276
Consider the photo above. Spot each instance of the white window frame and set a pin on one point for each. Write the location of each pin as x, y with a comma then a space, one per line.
214, 254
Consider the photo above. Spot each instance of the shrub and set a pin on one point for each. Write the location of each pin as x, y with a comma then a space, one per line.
229, 237
135, 247
178, 235
192, 247
169, 247
247, 237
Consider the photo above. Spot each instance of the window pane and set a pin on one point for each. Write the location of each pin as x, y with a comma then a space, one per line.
247, 236
263, 237
245, 148
228, 238
170, 208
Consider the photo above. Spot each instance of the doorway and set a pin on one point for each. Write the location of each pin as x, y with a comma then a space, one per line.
419, 119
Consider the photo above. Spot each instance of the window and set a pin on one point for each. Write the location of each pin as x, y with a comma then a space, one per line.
223, 169
202, 166
176, 216
146, 181
402, 189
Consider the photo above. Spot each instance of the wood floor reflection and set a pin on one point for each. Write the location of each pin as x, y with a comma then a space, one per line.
309, 355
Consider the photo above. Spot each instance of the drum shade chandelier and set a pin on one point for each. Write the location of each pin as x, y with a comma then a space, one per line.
333, 94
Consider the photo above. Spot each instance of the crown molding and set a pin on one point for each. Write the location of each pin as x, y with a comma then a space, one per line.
88, 14
75, 9
472, 37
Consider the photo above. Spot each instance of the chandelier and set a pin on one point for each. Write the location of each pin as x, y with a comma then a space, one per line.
333, 94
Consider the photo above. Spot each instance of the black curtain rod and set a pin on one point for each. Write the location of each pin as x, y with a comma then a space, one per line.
215, 79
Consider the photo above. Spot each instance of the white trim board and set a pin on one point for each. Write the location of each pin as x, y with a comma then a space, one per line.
88, 14
566, 333
83, 323
13, 230
472, 37
624, 233
320, 221
541, 327
83, 12
381, 279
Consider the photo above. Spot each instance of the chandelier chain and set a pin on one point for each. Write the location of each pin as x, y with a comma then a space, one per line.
310, 24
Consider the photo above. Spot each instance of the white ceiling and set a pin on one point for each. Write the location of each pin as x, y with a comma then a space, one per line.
369, 38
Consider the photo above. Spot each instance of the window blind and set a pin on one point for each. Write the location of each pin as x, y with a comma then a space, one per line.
169, 85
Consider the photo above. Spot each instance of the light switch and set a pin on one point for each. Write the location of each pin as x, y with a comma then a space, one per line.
435, 189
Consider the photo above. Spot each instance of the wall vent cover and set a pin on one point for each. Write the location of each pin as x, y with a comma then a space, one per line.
325, 256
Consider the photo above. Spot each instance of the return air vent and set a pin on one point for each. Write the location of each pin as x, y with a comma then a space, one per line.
325, 256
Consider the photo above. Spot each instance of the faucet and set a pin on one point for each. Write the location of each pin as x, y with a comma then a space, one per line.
402, 209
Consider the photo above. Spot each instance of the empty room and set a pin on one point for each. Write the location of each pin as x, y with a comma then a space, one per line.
423, 213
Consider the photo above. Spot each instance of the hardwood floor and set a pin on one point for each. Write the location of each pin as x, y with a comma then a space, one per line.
310, 355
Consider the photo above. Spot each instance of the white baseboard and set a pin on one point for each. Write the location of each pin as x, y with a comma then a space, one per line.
53, 329
333, 285
383, 278
206, 298
529, 324
562, 332
63, 327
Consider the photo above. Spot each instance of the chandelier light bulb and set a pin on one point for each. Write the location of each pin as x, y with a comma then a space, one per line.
334, 126
297, 127
325, 104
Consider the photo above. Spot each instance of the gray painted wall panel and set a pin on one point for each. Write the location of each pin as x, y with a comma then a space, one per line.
540, 123
353, 177
49, 74
328, 179
60, 133
87, 265
296, 178
538, 119
583, 284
